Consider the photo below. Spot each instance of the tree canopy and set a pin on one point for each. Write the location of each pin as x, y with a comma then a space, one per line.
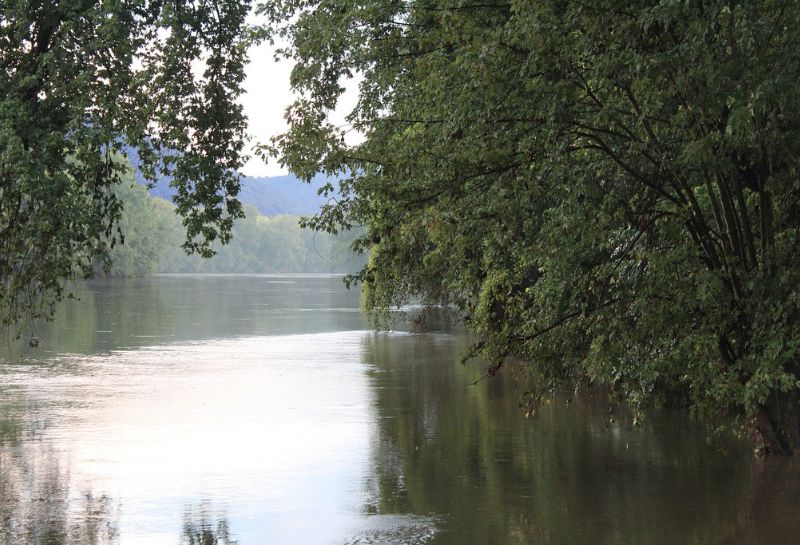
608, 190
82, 79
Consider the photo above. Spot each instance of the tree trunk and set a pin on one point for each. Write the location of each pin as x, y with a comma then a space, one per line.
776, 426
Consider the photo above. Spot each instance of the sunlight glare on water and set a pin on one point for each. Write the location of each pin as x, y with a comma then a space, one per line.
276, 426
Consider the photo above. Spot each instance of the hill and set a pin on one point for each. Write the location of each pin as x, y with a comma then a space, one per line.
270, 195
278, 195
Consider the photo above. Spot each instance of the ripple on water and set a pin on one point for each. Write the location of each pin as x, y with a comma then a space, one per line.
396, 530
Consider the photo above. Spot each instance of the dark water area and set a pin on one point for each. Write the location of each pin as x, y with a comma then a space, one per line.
262, 410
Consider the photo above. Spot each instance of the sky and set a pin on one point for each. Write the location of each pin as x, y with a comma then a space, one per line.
267, 95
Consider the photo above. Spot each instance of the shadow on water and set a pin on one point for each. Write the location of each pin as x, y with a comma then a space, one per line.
569, 475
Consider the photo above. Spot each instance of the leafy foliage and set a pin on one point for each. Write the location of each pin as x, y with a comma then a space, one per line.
79, 81
153, 233
149, 228
271, 195
608, 190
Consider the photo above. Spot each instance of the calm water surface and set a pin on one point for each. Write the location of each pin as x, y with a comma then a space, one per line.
260, 410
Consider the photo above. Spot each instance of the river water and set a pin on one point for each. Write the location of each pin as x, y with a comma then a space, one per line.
262, 410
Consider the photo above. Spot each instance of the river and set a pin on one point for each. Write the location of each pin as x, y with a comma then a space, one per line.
261, 409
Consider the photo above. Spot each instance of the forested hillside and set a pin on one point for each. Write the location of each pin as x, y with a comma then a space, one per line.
260, 244
270, 195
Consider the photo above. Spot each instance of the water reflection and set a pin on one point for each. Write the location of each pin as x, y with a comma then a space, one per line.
113, 314
273, 429
203, 527
567, 476
39, 507
264, 412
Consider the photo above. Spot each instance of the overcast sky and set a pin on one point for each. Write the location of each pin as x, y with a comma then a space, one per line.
267, 95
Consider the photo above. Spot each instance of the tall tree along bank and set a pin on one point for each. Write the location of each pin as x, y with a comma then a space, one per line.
608, 190
79, 81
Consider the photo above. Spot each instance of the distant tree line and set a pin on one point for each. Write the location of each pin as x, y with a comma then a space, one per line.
153, 234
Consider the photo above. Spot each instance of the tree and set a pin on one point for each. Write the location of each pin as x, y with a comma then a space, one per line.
608, 190
81, 82
259, 244
149, 226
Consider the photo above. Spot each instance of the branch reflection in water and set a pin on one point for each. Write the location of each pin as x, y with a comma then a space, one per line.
39, 507
202, 526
